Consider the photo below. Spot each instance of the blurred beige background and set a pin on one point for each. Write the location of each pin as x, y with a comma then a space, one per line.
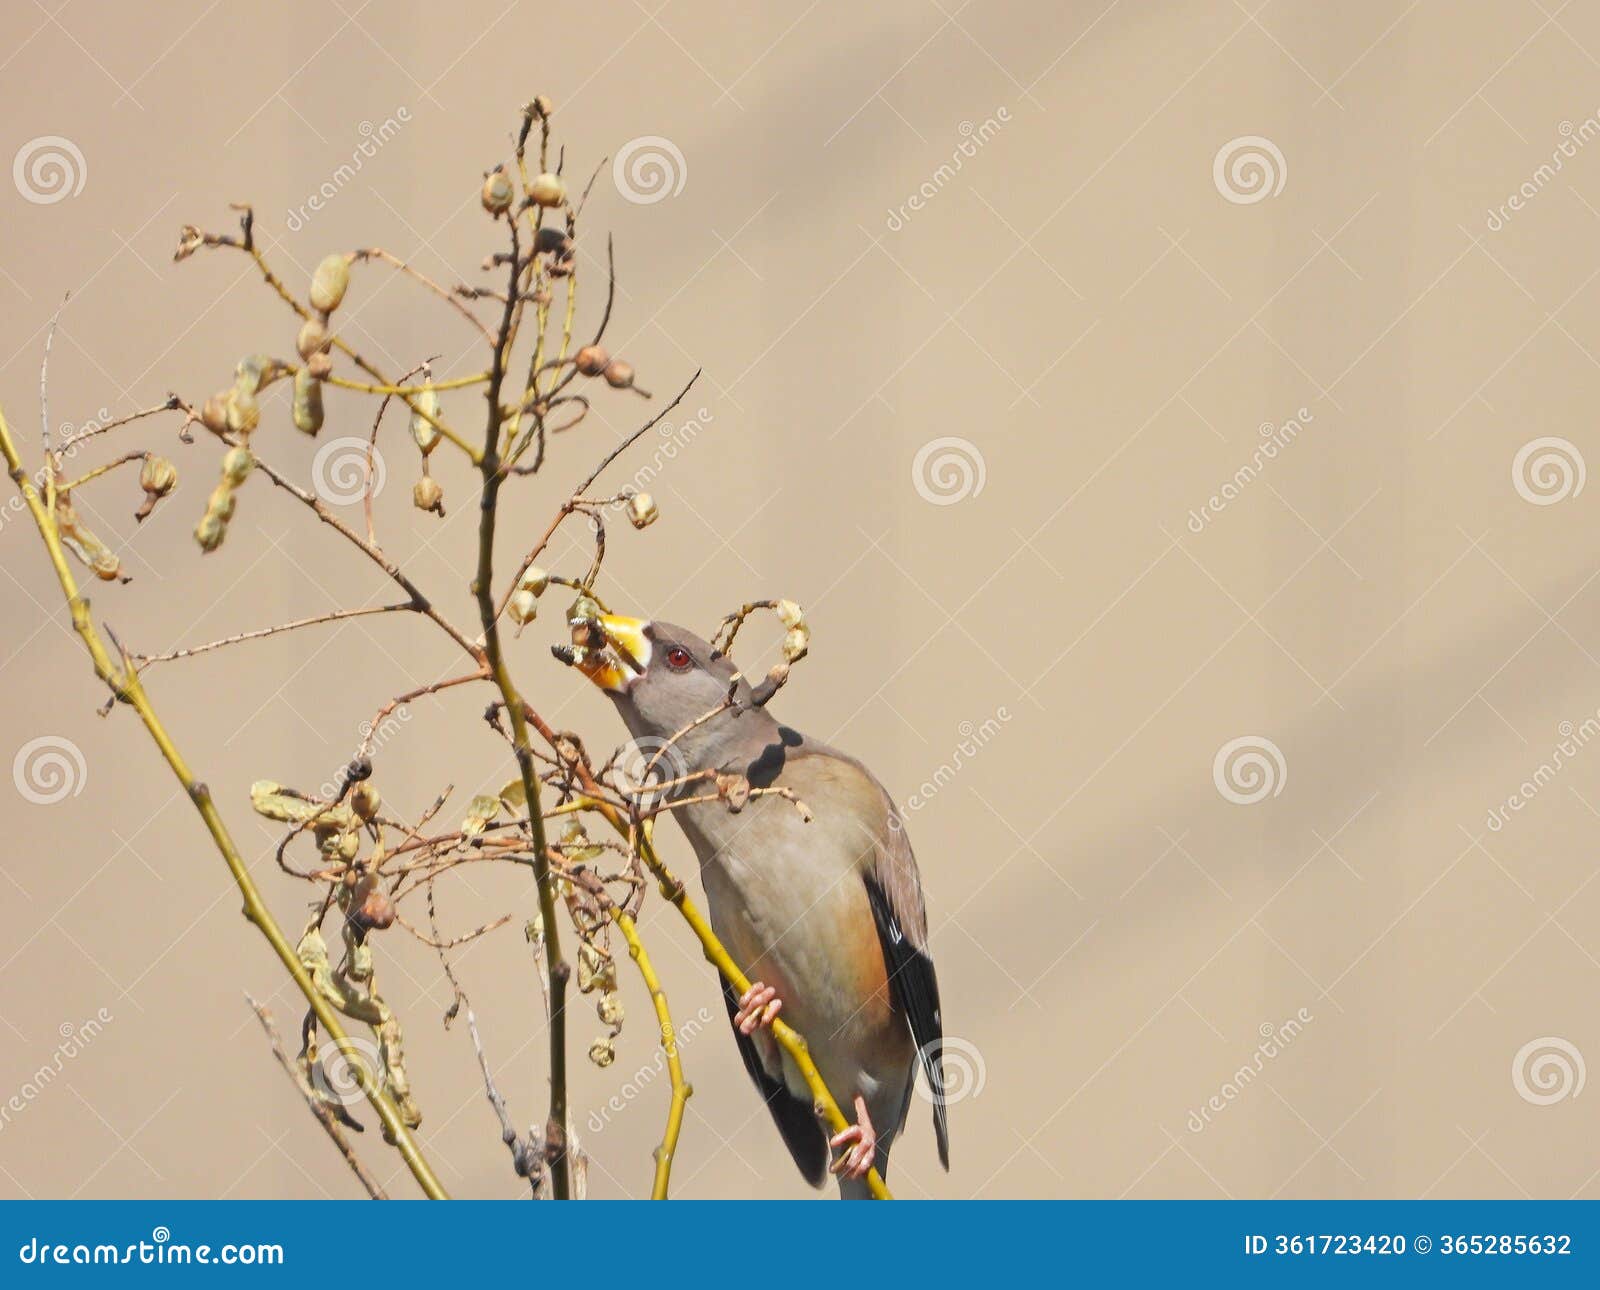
1018, 225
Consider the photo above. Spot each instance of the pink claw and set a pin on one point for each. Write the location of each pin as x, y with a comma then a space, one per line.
758, 1006
862, 1140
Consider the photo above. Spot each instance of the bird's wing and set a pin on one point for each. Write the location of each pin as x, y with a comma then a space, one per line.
895, 892
796, 1120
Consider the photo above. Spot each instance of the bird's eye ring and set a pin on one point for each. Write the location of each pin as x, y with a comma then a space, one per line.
678, 659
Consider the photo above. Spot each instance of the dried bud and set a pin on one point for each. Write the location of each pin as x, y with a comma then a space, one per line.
619, 375
427, 405
427, 495
307, 405
222, 502
610, 1008
254, 372
548, 190
497, 193
552, 238
602, 1053
523, 608
312, 338
190, 240
329, 283
734, 789
535, 580
642, 512
320, 365
374, 911
789, 613
542, 106
158, 476
364, 801
795, 643
236, 465
591, 360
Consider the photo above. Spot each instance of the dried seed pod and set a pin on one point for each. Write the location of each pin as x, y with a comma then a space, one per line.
221, 503
642, 512
214, 413
535, 580
312, 338
237, 464
427, 495
364, 801
94, 553
602, 1053
734, 789
542, 106
210, 531
796, 641
789, 613
497, 192
254, 372
591, 360
523, 608
329, 283
158, 476
424, 431
619, 375
551, 239
306, 408
243, 413
610, 1008
370, 906
320, 365
548, 190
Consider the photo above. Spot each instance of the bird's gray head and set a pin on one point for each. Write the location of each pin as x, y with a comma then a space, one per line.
662, 678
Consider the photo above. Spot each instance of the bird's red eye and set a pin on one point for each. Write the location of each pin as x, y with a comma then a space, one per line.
678, 659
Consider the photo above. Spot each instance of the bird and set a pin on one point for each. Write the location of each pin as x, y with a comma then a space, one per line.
825, 915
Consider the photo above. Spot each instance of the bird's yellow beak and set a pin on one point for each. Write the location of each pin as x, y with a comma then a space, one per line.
612, 651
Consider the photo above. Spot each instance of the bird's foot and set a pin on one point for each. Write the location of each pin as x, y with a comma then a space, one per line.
862, 1143
758, 1006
